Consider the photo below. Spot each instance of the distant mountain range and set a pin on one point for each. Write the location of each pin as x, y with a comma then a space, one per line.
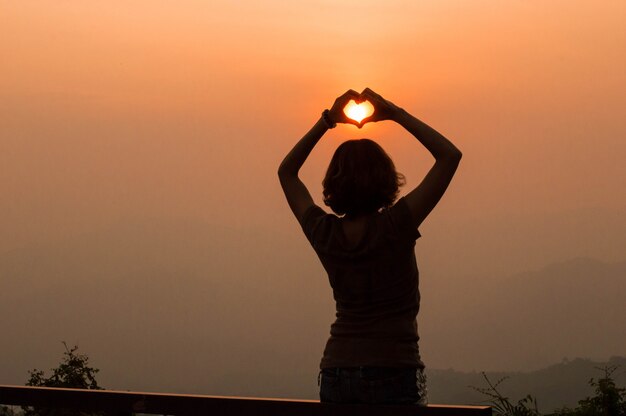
526, 321
556, 386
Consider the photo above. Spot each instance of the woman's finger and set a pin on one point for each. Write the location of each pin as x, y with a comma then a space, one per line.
350, 95
369, 92
367, 119
342, 100
371, 95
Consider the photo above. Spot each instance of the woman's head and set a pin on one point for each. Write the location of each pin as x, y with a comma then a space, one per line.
361, 179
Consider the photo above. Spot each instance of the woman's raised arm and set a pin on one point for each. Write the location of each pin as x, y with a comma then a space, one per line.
297, 194
427, 194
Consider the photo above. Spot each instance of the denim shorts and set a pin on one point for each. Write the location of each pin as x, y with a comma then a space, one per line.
373, 385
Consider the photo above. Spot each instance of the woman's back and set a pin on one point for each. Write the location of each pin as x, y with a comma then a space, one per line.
374, 277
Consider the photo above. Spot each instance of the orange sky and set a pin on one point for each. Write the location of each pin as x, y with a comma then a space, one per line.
132, 97
114, 111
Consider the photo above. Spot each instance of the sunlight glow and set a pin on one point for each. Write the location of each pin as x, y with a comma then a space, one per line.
359, 111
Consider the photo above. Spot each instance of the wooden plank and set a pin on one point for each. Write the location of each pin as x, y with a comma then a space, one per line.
124, 402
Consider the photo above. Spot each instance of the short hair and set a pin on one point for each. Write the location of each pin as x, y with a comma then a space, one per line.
361, 178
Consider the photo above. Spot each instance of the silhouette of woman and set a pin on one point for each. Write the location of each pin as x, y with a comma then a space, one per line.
372, 354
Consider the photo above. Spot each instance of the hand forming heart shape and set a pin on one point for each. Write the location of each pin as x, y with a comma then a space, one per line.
358, 112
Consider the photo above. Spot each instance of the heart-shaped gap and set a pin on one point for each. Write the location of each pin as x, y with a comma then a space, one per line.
358, 112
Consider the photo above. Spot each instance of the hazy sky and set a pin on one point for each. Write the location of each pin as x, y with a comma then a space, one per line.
114, 112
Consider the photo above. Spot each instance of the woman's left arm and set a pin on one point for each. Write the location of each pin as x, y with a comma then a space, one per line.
297, 194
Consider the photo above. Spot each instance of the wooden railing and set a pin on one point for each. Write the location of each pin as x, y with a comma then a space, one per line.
125, 403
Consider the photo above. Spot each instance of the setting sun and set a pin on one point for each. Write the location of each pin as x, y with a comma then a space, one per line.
359, 111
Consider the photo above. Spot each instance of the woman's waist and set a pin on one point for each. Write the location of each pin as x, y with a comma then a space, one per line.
391, 327
371, 352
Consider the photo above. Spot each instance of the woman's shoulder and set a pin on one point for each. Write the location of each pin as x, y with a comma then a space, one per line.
315, 220
397, 220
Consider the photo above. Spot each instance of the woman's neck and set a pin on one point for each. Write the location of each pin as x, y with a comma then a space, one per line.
357, 217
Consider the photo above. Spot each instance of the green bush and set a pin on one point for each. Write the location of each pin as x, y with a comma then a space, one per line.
501, 405
73, 372
609, 400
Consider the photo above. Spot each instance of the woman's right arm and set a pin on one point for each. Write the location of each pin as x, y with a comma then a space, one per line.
296, 192
427, 194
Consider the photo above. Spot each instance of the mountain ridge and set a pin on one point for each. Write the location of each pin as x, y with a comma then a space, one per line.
555, 386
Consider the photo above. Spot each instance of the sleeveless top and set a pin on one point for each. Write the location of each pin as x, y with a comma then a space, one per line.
375, 285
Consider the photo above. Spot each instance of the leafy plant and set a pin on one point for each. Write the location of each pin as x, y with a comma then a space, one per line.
73, 372
609, 400
501, 405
